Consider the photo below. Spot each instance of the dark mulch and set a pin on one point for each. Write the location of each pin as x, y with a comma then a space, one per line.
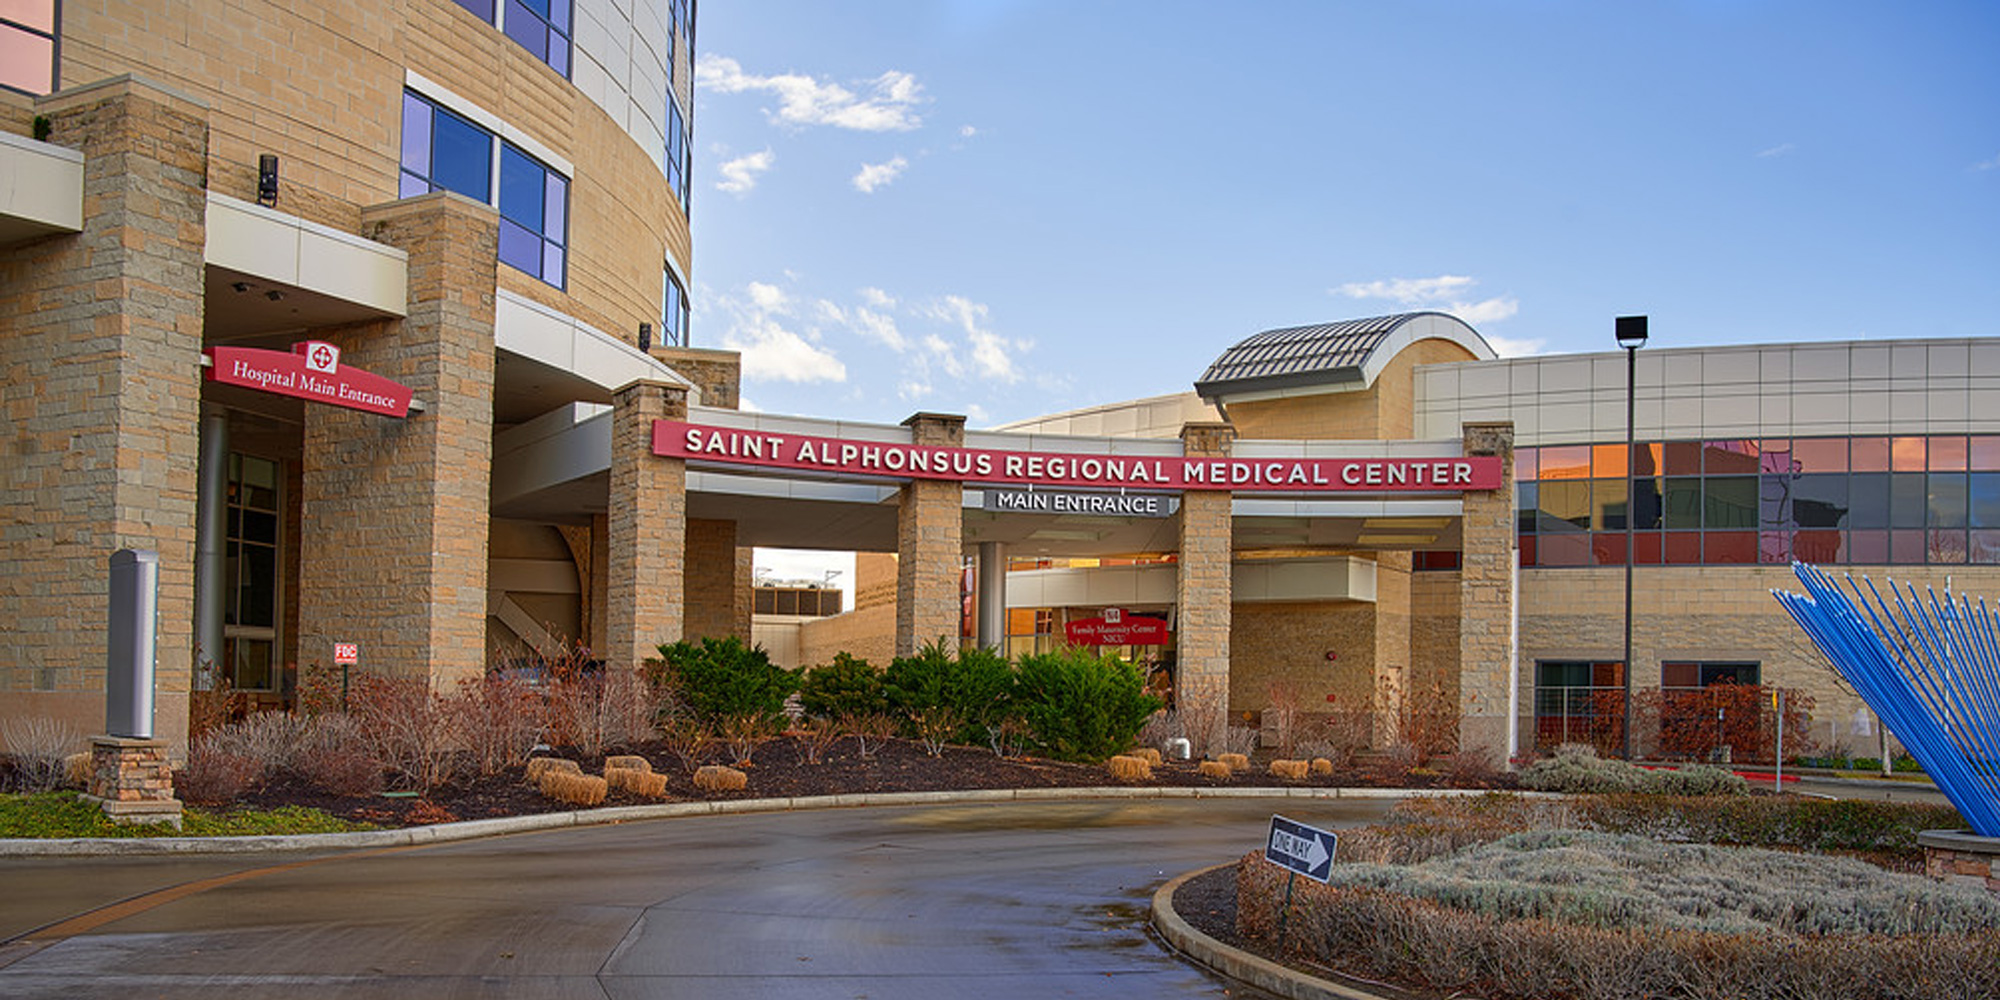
779, 770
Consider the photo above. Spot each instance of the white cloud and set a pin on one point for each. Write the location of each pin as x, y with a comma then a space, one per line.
874, 175
1778, 150
1992, 164
888, 104
1442, 293
740, 175
878, 298
770, 349
976, 414
991, 355
880, 328
967, 131
1510, 347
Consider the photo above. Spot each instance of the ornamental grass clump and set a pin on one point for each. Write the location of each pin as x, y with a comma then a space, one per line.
1128, 768
1290, 770
574, 789
538, 766
1213, 769
716, 778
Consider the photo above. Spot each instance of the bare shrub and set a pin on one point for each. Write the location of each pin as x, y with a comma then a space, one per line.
409, 726
687, 739
1005, 734
1128, 769
212, 707
627, 709
1241, 741
1202, 722
271, 737
1344, 734
870, 728
743, 733
333, 755
38, 746
1428, 722
1160, 727
816, 735
78, 769
934, 725
1393, 764
716, 778
1471, 767
216, 774
498, 717
1287, 705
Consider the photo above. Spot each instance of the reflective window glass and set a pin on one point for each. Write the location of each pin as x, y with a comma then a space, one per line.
1564, 506
1607, 501
1909, 500
1729, 547
1683, 548
1607, 461
1647, 459
1680, 502
1645, 503
1947, 501
1947, 454
1944, 548
1524, 465
1906, 454
1983, 547
28, 46
1821, 546
1525, 505
1681, 458
1729, 457
1774, 548
1819, 501
1820, 454
1908, 548
674, 317
1868, 500
1870, 454
1570, 548
1774, 455
1730, 502
1868, 547
1566, 462
1983, 499
1984, 454
1646, 548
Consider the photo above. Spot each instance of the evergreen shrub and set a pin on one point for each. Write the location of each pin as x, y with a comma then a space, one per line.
720, 679
1078, 705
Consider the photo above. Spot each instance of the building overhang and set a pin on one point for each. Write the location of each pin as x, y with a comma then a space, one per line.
41, 189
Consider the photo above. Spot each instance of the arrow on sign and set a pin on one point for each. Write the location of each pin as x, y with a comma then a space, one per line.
1299, 848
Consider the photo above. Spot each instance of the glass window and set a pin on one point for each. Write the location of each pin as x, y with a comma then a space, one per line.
1869, 454
1681, 458
1820, 454
1819, 501
1775, 456
1645, 505
1697, 674
1730, 502
1682, 548
28, 46
1729, 547
543, 28
1730, 457
1909, 500
1983, 547
1945, 547
1647, 459
483, 9
1906, 454
1526, 504
1983, 499
1680, 502
250, 578
442, 151
1908, 548
673, 311
1821, 546
1607, 501
1984, 454
1607, 548
1579, 702
1607, 460
1868, 496
1947, 501
1524, 465
1869, 548
679, 158
1947, 454
1568, 462
1564, 506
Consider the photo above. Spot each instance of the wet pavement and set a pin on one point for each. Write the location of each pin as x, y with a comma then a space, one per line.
978, 900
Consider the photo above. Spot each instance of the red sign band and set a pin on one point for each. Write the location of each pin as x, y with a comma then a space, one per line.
311, 371
729, 446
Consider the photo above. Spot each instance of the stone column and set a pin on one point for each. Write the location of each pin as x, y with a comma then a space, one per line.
929, 544
1394, 680
100, 343
647, 537
712, 582
1203, 574
395, 511
1486, 598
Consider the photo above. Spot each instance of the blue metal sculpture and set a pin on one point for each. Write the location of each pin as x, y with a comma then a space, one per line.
1929, 667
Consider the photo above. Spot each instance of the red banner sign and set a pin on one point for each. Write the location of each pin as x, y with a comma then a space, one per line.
729, 446
312, 371
1115, 629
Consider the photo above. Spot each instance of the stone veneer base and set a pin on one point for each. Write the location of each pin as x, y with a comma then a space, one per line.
1961, 856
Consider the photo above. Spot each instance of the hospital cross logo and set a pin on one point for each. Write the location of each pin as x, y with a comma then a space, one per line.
322, 357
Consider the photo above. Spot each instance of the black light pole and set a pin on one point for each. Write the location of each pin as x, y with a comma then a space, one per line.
1631, 334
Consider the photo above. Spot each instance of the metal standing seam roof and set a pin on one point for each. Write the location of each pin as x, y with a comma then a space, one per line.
1322, 354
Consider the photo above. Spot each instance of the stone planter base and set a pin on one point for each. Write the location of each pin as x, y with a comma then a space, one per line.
132, 782
1962, 856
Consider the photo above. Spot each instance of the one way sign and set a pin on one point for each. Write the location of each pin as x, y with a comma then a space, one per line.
1299, 848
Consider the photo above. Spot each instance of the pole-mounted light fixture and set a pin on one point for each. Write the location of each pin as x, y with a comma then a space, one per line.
1630, 332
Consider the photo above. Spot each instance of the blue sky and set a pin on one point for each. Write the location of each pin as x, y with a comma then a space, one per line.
1016, 207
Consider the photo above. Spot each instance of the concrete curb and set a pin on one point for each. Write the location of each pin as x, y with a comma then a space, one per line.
474, 829
1236, 963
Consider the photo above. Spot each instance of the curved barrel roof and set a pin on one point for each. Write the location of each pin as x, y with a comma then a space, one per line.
1328, 354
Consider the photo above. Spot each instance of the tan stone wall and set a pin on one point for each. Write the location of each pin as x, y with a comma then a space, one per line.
1381, 412
1486, 596
1286, 644
321, 85
647, 534
718, 374
929, 545
868, 633
100, 339
712, 584
1203, 582
396, 511
1434, 617
1392, 642
1704, 613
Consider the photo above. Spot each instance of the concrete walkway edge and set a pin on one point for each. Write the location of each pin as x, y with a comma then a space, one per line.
474, 829
1236, 963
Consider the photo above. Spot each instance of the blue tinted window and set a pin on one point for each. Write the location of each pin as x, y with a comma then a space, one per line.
443, 151
678, 159
674, 312
483, 9
543, 28
1947, 499
1868, 498
1909, 500
534, 203
1984, 490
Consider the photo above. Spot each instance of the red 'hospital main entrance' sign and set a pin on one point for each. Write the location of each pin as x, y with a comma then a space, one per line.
732, 446
310, 370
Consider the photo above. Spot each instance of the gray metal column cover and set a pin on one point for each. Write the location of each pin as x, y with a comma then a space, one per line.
210, 541
128, 669
992, 616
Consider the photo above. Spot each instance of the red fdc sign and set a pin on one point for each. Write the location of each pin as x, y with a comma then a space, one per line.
312, 371
730, 446
1117, 630
346, 654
